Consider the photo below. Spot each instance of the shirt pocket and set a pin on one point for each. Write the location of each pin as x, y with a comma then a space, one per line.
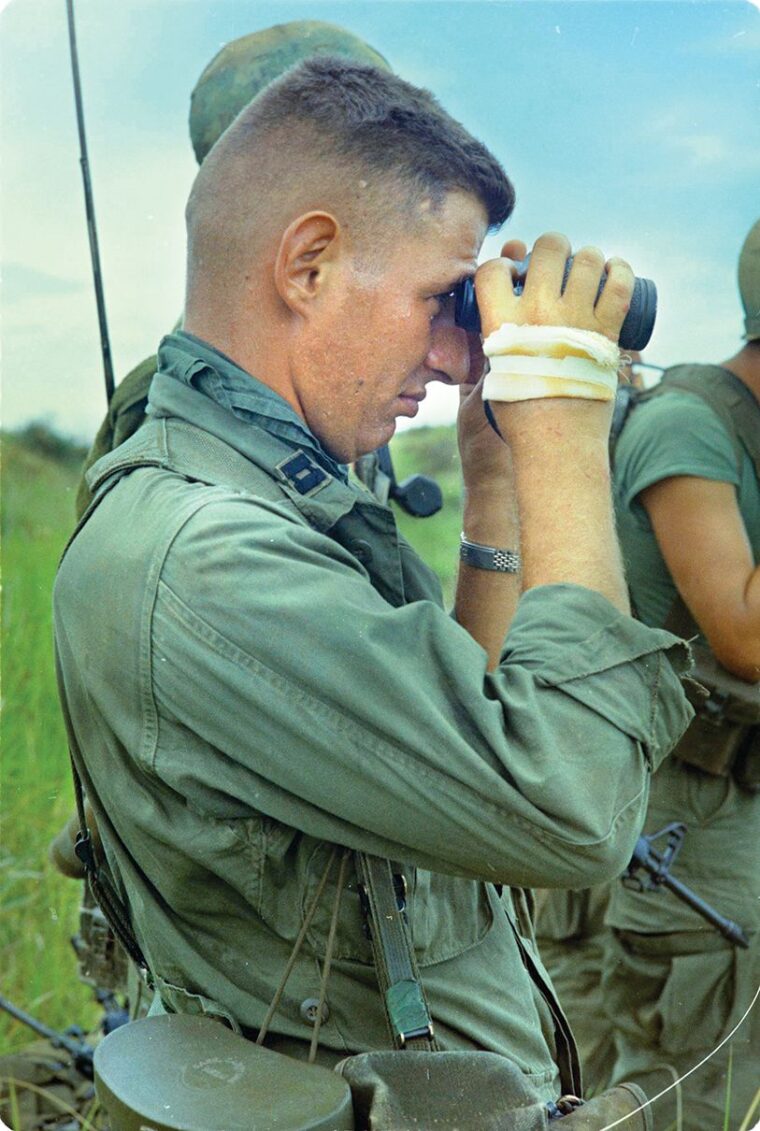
704, 997
447, 915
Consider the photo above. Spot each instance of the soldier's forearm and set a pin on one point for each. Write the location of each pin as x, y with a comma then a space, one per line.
486, 600
567, 525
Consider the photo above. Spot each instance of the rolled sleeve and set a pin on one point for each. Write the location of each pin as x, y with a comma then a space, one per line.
574, 639
379, 727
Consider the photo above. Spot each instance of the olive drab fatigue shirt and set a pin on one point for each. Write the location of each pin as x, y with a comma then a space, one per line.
254, 666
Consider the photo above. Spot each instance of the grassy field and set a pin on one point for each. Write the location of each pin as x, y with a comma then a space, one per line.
38, 907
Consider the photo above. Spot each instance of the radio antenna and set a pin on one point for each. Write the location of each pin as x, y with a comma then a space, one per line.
89, 205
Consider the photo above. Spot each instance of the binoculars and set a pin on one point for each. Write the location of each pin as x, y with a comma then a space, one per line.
634, 333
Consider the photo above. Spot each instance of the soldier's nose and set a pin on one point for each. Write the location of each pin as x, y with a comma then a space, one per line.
449, 354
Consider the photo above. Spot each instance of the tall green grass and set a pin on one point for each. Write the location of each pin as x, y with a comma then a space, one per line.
38, 907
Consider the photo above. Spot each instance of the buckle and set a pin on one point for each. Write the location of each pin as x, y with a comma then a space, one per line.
411, 1034
407, 1011
400, 890
84, 850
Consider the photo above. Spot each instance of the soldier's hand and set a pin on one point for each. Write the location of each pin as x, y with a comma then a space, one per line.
542, 302
555, 418
484, 454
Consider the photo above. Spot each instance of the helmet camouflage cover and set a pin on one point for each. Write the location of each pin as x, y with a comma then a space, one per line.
749, 282
245, 66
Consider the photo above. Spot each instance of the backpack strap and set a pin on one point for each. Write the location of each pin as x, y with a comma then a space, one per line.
728, 397
722, 391
100, 884
126, 413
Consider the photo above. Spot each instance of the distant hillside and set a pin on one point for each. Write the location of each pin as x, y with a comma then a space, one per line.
40, 439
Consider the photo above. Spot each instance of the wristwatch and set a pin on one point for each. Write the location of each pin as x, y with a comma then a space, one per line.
478, 556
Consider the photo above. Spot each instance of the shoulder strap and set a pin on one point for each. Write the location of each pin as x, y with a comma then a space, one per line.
728, 397
126, 413
103, 891
403, 996
722, 391
406, 1007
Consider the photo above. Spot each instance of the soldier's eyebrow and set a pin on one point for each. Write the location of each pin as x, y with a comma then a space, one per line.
447, 288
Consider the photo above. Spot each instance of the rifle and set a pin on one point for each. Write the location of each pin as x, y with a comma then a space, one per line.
658, 864
80, 1052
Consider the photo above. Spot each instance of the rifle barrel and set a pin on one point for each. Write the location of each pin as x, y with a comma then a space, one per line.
646, 857
81, 1051
727, 927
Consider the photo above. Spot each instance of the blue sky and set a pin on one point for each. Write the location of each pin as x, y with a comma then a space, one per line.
634, 126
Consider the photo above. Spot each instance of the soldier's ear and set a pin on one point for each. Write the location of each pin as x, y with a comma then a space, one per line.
306, 257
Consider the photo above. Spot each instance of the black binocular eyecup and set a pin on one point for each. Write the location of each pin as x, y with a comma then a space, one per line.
634, 334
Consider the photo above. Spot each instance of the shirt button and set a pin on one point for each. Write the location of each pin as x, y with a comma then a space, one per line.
361, 550
309, 1009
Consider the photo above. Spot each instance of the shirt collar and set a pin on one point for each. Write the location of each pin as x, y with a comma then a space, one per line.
200, 366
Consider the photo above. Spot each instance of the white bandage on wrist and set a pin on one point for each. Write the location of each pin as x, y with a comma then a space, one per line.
530, 362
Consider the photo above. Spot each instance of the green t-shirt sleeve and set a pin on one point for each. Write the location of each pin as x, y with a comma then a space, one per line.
673, 434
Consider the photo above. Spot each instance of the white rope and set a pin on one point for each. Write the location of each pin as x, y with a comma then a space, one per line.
680, 1079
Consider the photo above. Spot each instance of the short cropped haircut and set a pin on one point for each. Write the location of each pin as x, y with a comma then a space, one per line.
369, 118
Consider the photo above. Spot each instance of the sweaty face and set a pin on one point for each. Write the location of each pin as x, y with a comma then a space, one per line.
385, 329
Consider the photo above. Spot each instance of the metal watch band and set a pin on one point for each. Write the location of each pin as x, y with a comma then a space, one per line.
488, 557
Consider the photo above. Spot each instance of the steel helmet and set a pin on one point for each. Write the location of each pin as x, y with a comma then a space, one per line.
245, 66
749, 282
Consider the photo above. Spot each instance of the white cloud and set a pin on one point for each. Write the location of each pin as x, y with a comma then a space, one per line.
687, 131
703, 149
19, 281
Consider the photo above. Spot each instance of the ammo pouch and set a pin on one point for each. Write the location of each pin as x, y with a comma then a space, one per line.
724, 738
178, 1072
415, 1086
472, 1091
